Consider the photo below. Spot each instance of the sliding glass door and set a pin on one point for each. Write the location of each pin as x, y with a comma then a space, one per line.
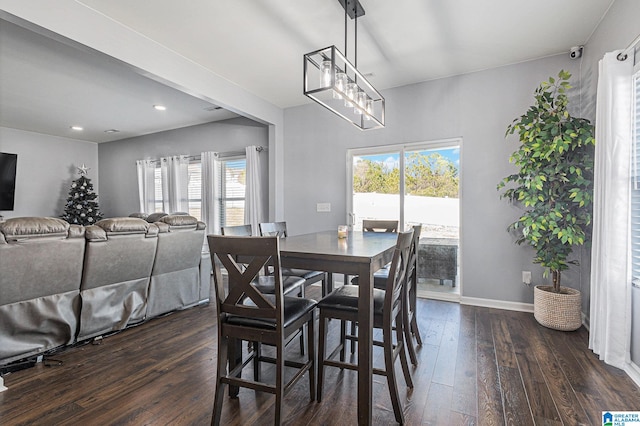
416, 184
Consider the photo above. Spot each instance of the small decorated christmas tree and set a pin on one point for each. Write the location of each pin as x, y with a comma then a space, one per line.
81, 207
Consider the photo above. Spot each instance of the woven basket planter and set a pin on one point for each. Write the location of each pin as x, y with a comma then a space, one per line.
559, 311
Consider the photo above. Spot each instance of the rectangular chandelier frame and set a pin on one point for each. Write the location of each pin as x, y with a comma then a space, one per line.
333, 82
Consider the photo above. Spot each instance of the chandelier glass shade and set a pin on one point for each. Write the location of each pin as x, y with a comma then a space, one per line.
333, 82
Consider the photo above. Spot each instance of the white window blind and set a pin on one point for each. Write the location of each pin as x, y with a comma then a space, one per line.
195, 189
232, 191
158, 188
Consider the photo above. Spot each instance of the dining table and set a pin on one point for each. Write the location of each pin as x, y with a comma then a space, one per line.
361, 254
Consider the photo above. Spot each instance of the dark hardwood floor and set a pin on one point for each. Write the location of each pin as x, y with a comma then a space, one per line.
476, 366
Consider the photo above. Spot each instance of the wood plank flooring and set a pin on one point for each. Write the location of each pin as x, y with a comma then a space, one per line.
477, 366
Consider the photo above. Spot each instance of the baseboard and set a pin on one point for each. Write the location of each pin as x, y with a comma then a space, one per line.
497, 304
2, 386
633, 371
436, 295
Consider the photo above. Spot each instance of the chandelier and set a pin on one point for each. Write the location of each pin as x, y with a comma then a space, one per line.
336, 84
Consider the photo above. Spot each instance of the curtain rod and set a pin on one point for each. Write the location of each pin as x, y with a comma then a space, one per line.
221, 154
624, 54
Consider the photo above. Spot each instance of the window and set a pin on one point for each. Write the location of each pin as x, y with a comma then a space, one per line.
194, 188
232, 191
416, 184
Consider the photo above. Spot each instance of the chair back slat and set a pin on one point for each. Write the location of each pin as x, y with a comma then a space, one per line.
237, 231
380, 225
240, 296
396, 281
273, 229
412, 273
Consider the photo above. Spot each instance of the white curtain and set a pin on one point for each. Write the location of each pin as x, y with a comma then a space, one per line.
211, 192
146, 185
254, 204
175, 183
610, 313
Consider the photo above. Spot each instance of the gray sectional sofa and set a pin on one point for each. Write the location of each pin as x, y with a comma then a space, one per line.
62, 283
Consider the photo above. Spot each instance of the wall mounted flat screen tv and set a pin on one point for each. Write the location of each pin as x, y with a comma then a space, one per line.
8, 164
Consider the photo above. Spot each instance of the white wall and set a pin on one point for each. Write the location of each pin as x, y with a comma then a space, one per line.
476, 107
118, 176
46, 167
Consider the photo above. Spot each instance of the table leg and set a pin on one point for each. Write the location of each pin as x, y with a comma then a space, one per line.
365, 344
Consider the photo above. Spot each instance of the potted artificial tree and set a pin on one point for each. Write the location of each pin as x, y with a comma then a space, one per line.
554, 186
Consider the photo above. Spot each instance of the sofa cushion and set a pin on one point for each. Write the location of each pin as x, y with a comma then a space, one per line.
179, 220
154, 217
34, 227
140, 215
124, 224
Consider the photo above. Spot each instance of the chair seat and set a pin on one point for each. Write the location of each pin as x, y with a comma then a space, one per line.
266, 284
379, 278
346, 298
294, 309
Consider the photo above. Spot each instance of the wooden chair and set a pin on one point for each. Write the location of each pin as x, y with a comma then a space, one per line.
410, 321
246, 313
237, 231
265, 283
373, 225
380, 225
280, 229
342, 304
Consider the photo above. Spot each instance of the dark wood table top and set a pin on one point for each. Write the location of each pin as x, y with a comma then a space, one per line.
357, 247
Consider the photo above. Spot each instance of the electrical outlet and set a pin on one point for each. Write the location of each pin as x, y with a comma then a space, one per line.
323, 207
526, 277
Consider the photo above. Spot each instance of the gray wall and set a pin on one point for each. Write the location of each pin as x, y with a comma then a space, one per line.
619, 28
477, 107
118, 183
46, 167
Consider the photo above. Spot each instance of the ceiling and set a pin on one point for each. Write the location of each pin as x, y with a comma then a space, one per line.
46, 86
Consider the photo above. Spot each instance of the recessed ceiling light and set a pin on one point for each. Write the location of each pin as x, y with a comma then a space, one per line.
112, 131
160, 107
77, 128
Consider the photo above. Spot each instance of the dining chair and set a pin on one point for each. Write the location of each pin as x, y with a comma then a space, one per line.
409, 316
280, 229
246, 313
237, 230
375, 225
265, 283
342, 304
